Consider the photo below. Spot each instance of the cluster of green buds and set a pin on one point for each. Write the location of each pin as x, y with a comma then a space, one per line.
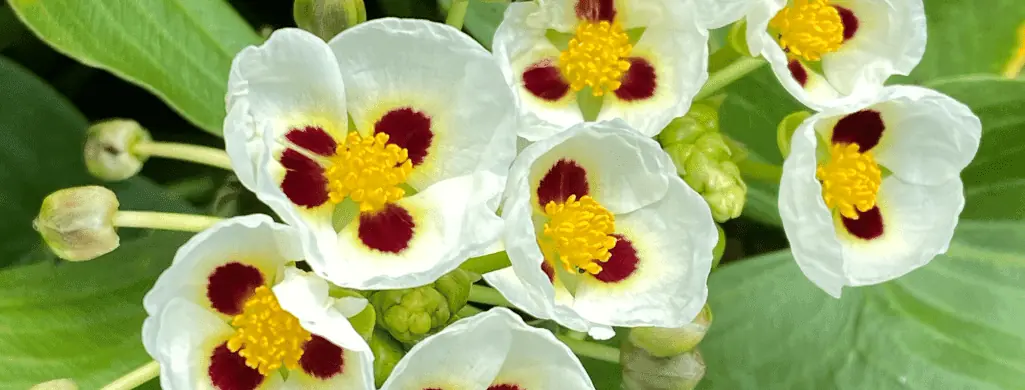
412, 314
665, 359
704, 160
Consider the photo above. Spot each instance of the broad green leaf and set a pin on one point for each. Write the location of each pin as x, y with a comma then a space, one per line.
482, 19
60, 319
956, 323
180, 50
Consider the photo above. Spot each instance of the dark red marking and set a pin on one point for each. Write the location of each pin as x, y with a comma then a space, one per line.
621, 264
549, 271
639, 82
228, 371
869, 224
409, 129
849, 21
596, 10
544, 80
304, 183
798, 72
504, 387
314, 139
864, 128
321, 359
565, 178
230, 285
388, 230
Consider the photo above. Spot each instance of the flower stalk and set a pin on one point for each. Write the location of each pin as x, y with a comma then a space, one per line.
135, 378
216, 158
164, 221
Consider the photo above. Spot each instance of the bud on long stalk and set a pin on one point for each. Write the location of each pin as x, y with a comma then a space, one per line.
78, 223
108, 149
327, 18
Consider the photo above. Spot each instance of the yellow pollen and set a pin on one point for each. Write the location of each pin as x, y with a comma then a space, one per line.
596, 57
809, 28
850, 180
580, 233
368, 170
266, 335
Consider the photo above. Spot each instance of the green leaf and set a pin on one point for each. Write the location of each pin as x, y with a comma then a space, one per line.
60, 319
482, 19
180, 50
953, 324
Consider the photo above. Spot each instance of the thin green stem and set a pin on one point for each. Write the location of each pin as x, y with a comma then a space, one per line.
487, 296
591, 349
164, 221
760, 171
733, 72
193, 153
135, 378
488, 263
457, 13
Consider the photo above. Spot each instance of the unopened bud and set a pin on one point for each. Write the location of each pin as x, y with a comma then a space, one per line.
78, 223
387, 353
642, 371
455, 286
327, 18
411, 314
786, 128
666, 342
108, 149
56, 384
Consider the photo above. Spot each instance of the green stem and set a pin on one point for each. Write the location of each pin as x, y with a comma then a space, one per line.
487, 296
135, 378
193, 153
164, 221
457, 13
733, 72
487, 263
760, 171
591, 349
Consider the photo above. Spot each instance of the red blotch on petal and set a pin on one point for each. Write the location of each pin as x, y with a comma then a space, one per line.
864, 128
228, 371
850, 22
321, 359
596, 10
409, 129
565, 178
549, 271
869, 224
230, 285
388, 230
304, 183
621, 264
798, 72
639, 82
544, 80
314, 139
504, 387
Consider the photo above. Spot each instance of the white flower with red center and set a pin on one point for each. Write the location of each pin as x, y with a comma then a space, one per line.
824, 51
872, 191
602, 232
494, 350
387, 148
231, 313
644, 60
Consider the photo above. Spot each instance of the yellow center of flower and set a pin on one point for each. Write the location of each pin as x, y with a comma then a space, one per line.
369, 170
809, 28
266, 335
850, 180
596, 57
580, 233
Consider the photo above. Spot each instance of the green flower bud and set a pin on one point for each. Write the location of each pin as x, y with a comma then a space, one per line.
56, 384
327, 18
642, 371
667, 342
108, 149
78, 223
786, 128
387, 353
455, 286
411, 314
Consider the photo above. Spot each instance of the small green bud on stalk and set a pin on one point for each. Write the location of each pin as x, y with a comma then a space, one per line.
387, 353
327, 18
78, 223
412, 314
56, 384
667, 342
643, 371
108, 149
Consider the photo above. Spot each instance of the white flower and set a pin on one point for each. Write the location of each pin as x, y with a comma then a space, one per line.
602, 232
386, 148
826, 51
230, 313
871, 191
494, 350
644, 59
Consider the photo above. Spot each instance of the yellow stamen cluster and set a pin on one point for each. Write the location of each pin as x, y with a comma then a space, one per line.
596, 57
850, 180
266, 335
369, 170
580, 232
809, 28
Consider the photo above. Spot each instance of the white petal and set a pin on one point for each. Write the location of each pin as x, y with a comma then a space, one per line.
714, 14
806, 220
673, 239
817, 92
759, 13
561, 15
306, 297
536, 359
890, 40
918, 224
243, 143
253, 240
358, 374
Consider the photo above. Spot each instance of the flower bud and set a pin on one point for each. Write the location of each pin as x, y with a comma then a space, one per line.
786, 128
387, 353
411, 314
56, 384
667, 342
327, 18
78, 223
455, 286
642, 371
108, 149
